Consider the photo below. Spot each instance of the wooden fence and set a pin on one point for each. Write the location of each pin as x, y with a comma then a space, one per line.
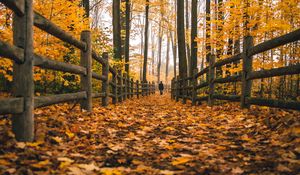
187, 88
21, 106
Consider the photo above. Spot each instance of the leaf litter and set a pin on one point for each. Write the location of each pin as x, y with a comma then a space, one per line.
155, 135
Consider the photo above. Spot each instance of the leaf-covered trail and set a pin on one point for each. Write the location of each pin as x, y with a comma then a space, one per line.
155, 135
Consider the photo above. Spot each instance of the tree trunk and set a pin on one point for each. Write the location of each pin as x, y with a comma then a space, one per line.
174, 41
174, 48
153, 51
117, 30
181, 40
160, 33
207, 32
146, 42
127, 39
86, 6
141, 49
219, 17
194, 27
167, 60
188, 50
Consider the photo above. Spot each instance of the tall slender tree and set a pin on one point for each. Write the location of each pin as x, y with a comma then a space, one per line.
117, 30
167, 59
86, 5
188, 49
127, 37
174, 41
153, 49
174, 48
160, 36
181, 39
146, 41
194, 48
207, 31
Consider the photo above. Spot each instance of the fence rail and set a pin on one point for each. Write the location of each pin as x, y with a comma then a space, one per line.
181, 87
119, 88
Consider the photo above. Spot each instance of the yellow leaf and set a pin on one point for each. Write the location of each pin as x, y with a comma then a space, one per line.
110, 171
57, 139
64, 164
70, 134
167, 172
181, 160
40, 164
35, 144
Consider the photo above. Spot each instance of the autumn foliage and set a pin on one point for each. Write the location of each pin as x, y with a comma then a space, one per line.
69, 16
155, 135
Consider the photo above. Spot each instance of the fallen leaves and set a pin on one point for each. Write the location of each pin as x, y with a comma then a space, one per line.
4, 162
237, 170
180, 160
88, 167
154, 135
40, 164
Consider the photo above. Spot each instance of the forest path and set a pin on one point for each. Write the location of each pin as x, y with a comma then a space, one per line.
155, 135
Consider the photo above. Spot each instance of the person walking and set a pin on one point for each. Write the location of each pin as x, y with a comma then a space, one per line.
161, 88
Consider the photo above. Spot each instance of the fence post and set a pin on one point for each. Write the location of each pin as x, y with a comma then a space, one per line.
137, 88
153, 87
247, 68
86, 61
184, 90
142, 88
172, 89
23, 85
105, 83
120, 95
194, 85
211, 78
132, 86
148, 88
115, 89
177, 90
128, 86
125, 86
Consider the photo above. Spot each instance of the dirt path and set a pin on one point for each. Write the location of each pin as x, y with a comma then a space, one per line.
155, 135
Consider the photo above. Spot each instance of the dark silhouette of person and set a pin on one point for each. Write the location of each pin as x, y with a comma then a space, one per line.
161, 88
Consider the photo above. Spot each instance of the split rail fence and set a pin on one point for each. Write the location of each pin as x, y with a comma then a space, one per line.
187, 88
119, 88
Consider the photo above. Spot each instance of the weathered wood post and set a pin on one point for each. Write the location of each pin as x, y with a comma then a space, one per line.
177, 90
137, 89
23, 85
153, 87
211, 78
86, 61
194, 85
148, 88
125, 86
115, 89
184, 90
145, 88
142, 88
128, 86
120, 85
105, 83
247, 68
132, 88
172, 89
